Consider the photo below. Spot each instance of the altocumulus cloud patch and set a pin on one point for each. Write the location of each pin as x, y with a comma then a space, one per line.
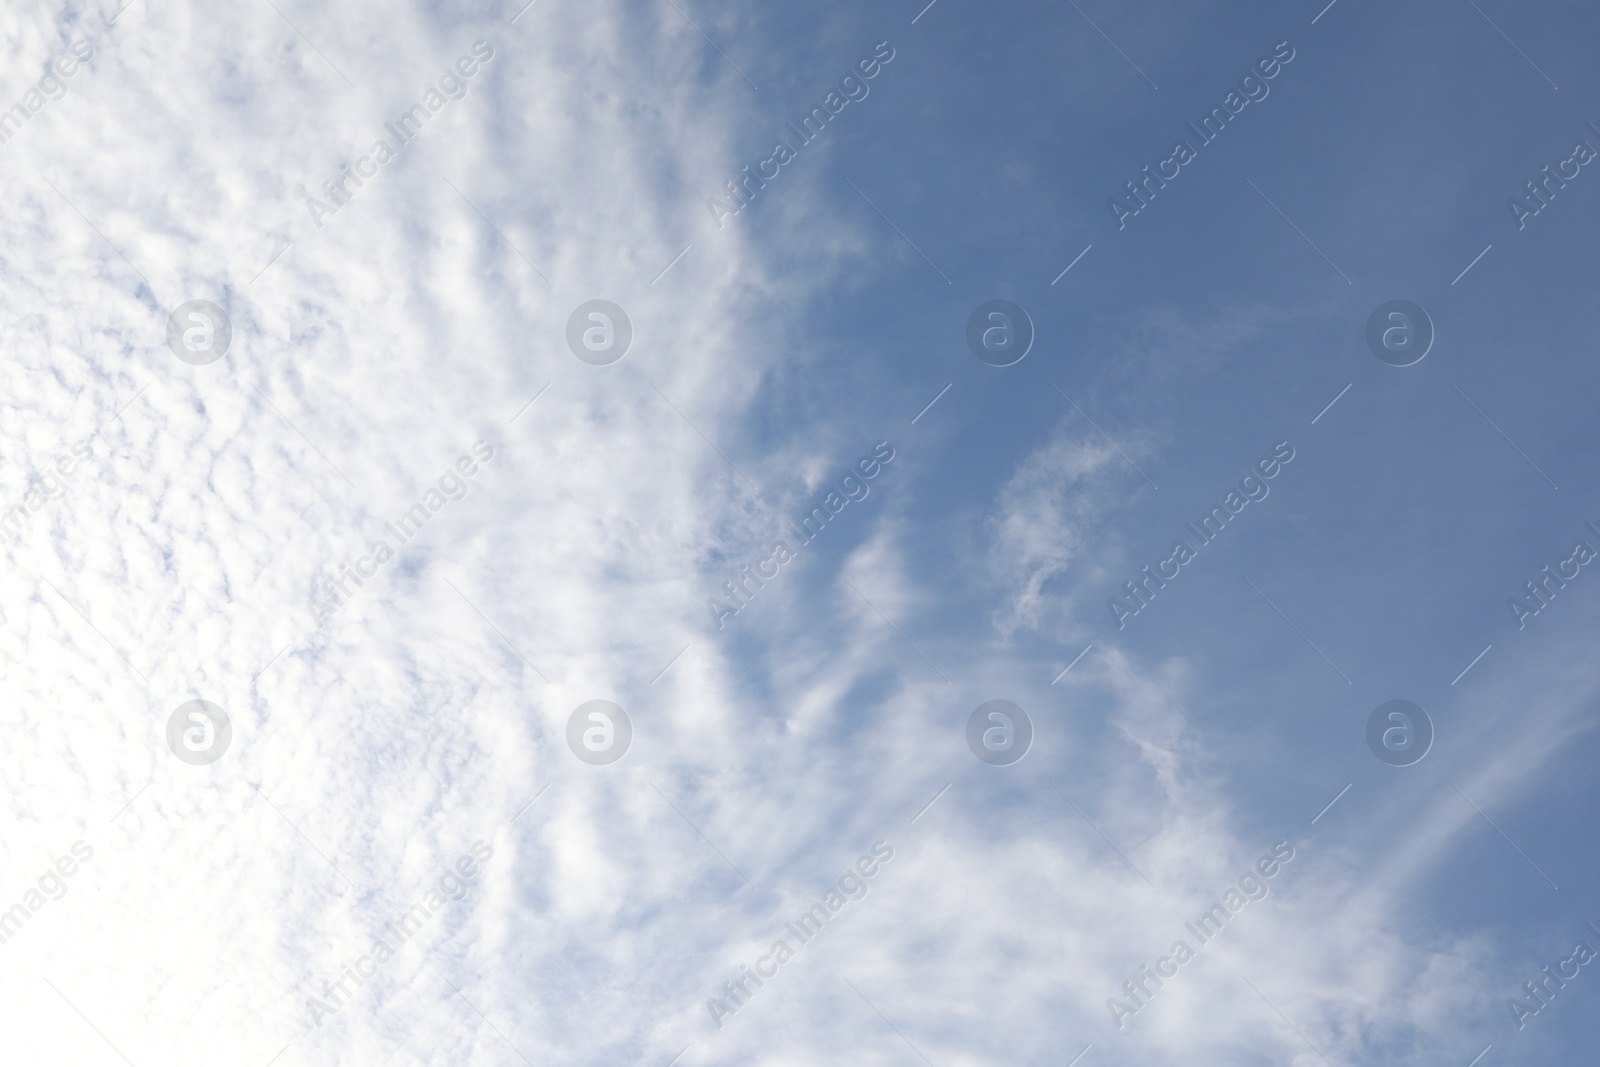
903, 620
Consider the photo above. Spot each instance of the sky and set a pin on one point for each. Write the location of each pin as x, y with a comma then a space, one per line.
673, 534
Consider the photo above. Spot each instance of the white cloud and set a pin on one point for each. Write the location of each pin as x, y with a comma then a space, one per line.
369, 753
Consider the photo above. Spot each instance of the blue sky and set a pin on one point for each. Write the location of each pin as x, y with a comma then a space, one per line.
621, 902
